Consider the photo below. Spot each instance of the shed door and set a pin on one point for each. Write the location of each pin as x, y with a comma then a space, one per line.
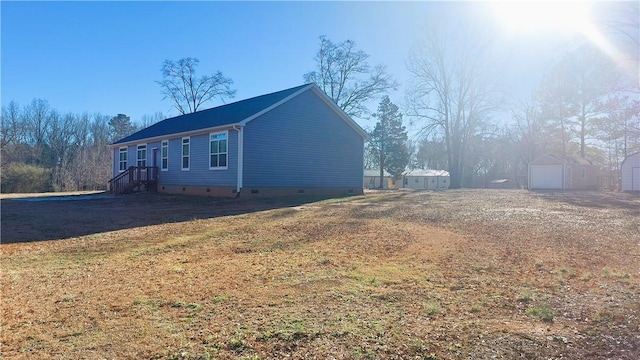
635, 179
546, 177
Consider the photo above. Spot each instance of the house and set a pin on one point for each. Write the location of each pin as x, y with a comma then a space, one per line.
372, 180
426, 179
630, 173
294, 141
553, 172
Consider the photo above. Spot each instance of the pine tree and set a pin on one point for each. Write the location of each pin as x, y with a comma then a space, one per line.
388, 143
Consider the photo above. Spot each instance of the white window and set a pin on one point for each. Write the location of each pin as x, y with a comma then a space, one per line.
164, 153
122, 159
142, 155
186, 145
218, 150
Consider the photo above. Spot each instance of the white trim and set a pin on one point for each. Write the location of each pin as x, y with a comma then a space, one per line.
126, 155
263, 111
145, 153
182, 153
340, 112
161, 155
240, 171
226, 132
324, 98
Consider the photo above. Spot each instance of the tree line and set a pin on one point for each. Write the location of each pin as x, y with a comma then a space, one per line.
43, 149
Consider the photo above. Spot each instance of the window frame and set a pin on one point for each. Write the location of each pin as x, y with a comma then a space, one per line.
120, 160
188, 155
142, 147
164, 144
225, 153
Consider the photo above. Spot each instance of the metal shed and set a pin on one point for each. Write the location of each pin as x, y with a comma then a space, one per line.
426, 179
630, 173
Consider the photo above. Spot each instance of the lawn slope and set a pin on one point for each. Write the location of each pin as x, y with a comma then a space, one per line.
390, 275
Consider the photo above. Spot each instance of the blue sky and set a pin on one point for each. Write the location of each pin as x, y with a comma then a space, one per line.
104, 57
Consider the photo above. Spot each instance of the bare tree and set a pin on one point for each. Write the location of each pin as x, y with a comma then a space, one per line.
147, 120
13, 128
620, 25
449, 96
37, 118
344, 74
188, 92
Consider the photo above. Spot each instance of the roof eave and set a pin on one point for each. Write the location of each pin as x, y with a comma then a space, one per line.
174, 135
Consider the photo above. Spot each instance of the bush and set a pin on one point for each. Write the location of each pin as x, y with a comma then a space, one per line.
24, 178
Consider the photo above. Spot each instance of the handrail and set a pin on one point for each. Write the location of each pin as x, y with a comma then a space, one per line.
132, 178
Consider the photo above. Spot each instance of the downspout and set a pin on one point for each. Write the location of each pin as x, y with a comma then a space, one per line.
239, 129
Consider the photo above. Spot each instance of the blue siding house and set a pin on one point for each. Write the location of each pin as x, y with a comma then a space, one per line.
294, 141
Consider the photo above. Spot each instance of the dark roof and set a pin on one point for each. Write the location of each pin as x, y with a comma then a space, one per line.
574, 160
218, 116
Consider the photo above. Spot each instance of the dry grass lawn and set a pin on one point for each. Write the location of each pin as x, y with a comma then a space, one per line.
458, 274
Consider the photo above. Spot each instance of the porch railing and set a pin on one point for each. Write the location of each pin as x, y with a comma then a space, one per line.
134, 179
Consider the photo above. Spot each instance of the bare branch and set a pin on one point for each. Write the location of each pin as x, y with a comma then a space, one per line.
187, 91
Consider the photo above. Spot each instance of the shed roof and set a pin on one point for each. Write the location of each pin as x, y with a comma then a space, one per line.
629, 159
230, 114
568, 160
375, 172
426, 172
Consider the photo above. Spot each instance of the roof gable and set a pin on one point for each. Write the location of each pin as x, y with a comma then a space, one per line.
225, 115
237, 113
630, 159
552, 159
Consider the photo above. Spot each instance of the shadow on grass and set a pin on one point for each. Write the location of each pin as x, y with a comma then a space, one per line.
25, 220
594, 199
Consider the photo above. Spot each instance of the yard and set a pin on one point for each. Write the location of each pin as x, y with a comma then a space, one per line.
455, 274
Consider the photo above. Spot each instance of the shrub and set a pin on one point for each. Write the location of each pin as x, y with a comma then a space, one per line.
24, 178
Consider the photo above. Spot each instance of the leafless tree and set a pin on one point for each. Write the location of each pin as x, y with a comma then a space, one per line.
344, 74
37, 117
147, 120
187, 91
12, 126
619, 21
450, 95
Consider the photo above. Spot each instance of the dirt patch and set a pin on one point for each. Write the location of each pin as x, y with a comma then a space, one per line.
430, 275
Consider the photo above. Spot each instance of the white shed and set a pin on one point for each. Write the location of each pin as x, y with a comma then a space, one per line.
630, 173
562, 172
426, 179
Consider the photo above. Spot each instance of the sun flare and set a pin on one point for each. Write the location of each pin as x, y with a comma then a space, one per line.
534, 16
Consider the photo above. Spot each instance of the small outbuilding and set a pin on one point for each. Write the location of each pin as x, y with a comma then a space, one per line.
372, 180
553, 172
630, 173
426, 179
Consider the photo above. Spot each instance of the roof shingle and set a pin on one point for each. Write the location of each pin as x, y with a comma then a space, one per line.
223, 115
